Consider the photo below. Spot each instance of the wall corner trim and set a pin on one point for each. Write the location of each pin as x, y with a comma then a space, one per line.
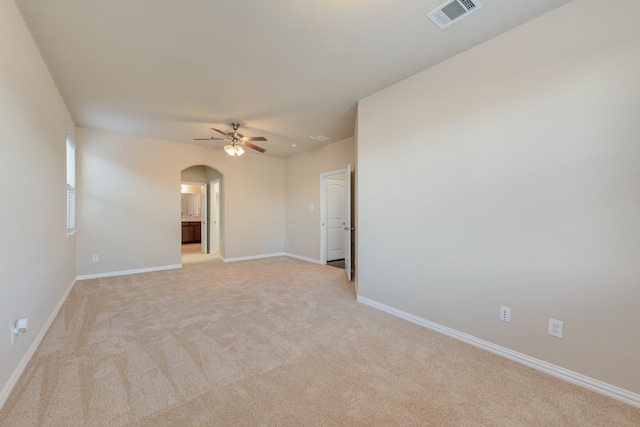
13, 380
609, 390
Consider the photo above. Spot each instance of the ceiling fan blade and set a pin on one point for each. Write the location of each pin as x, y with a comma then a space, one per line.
254, 138
213, 138
219, 131
255, 147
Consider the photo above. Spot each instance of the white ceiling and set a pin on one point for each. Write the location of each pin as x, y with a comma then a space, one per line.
283, 69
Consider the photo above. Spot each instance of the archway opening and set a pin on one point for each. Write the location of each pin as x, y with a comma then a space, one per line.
201, 214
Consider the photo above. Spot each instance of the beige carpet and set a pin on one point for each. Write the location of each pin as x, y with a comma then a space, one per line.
272, 342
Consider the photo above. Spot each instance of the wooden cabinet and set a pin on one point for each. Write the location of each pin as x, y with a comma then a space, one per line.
190, 232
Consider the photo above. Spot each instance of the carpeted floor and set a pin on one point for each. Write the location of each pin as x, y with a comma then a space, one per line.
272, 342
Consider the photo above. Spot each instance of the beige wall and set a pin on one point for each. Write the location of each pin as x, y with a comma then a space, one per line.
516, 183
129, 201
37, 260
303, 189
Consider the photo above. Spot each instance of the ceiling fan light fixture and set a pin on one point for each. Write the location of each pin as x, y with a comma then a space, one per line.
234, 150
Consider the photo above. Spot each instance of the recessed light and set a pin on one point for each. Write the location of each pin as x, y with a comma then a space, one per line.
294, 145
320, 138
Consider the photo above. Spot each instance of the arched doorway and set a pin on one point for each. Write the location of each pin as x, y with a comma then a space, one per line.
202, 207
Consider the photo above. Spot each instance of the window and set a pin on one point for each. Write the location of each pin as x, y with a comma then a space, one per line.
71, 187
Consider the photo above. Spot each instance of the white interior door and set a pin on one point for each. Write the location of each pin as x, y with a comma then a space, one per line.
204, 233
335, 217
347, 223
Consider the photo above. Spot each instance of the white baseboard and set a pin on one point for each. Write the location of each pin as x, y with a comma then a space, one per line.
125, 272
247, 258
617, 393
8, 387
303, 258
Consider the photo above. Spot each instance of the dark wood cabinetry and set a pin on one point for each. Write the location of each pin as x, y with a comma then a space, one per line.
190, 232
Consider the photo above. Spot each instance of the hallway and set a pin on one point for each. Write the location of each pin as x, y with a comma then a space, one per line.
192, 254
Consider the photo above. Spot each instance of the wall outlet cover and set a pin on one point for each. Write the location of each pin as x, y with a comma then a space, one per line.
555, 327
505, 314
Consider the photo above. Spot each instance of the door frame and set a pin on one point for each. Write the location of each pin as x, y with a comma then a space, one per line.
204, 219
204, 232
214, 213
323, 211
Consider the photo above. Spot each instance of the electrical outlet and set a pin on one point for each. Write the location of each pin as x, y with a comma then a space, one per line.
95, 258
505, 314
555, 327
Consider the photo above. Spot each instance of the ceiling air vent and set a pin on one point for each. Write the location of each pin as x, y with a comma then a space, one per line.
453, 11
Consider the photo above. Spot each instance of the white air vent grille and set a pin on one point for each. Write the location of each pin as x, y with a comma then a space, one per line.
452, 11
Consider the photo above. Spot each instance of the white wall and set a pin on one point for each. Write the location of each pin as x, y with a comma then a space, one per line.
129, 201
37, 261
516, 182
303, 189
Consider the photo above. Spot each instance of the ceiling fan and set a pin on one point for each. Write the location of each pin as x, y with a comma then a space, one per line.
236, 141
